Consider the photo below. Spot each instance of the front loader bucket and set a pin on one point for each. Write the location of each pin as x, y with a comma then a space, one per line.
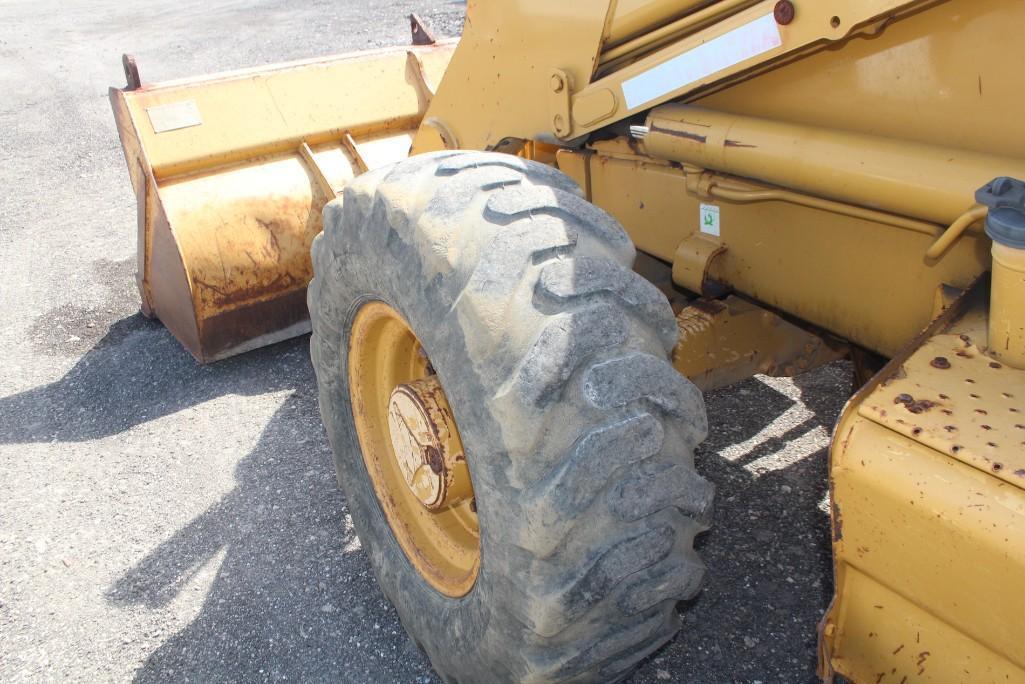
231, 173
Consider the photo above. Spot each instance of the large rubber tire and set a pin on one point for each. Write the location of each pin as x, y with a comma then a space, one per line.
579, 435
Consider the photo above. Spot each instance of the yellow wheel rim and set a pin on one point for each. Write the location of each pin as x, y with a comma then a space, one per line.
386, 359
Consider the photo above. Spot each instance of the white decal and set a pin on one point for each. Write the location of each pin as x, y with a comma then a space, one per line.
709, 219
740, 44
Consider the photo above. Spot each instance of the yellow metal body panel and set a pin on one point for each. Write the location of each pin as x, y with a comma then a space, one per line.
865, 280
938, 77
928, 497
524, 44
500, 81
861, 280
232, 173
723, 342
911, 179
634, 18
955, 399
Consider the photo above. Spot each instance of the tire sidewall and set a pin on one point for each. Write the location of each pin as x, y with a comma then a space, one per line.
385, 268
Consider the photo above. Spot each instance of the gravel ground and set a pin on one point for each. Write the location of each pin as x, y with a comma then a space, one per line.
165, 521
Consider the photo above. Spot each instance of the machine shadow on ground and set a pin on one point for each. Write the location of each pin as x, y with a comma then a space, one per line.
768, 555
136, 372
286, 556
280, 605
285, 559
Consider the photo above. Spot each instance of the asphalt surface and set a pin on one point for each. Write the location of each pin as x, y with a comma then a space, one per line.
165, 521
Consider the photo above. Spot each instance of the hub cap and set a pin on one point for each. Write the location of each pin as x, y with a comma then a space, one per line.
427, 445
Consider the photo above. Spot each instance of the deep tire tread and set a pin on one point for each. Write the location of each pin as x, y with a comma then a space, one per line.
599, 518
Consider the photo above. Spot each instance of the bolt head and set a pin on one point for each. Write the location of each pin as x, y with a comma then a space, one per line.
784, 12
557, 83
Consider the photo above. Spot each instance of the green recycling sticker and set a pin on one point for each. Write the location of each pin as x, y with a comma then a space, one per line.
709, 219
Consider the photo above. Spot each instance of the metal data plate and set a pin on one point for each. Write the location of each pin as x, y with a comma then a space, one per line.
171, 117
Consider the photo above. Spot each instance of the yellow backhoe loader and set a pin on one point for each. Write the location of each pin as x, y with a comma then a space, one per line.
533, 247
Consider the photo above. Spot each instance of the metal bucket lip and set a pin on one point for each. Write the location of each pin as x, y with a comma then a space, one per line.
246, 72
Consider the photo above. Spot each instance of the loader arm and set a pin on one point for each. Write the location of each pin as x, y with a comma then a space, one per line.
557, 73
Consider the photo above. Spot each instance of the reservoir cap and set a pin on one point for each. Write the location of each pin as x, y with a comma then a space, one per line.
1005, 198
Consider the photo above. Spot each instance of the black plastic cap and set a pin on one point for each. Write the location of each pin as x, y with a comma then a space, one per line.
1005, 223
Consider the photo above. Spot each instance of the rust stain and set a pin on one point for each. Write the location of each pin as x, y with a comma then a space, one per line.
434, 459
921, 406
898, 649
837, 522
940, 362
913, 406
227, 296
847, 439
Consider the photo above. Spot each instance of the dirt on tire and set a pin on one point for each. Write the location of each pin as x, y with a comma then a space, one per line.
579, 434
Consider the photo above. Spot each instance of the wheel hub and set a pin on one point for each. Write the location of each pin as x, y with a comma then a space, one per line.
412, 451
427, 445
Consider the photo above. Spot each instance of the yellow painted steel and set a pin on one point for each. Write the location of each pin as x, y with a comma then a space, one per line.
927, 482
636, 18
910, 179
863, 280
442, 544
937, 77
1007, 306
426, 444
525, 43
508, 54
724, 342
629, 16
232, 171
